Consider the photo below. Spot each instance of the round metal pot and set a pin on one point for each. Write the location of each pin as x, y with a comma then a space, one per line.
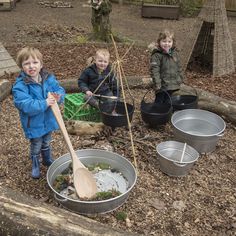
200, 129
181, 102
170, 153
155, 114
89, 157
118, 120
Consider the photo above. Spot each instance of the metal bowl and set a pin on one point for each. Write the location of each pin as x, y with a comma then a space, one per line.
170, 153
89, 157
181, 102
199, 128
155, 113
120, 119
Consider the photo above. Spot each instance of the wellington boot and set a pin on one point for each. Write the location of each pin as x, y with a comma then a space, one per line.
46, 155
35, 167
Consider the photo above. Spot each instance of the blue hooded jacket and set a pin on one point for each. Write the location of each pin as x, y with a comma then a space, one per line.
30, 97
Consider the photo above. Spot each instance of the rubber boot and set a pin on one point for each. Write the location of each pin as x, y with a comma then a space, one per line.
35, 167
46, 155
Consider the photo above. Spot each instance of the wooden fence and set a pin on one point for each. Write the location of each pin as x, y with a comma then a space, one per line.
229, 4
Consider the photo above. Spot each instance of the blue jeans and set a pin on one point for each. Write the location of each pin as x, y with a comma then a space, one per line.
39, 144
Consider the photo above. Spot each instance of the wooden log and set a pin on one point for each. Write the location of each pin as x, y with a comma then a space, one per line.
22, 215
207, 100
5, 89
71, 84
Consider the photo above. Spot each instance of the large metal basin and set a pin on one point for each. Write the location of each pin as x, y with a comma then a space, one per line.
200, 129
89, 157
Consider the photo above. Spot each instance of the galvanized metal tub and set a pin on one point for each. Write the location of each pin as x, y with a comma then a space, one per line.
200, 129
170, 153
89, 157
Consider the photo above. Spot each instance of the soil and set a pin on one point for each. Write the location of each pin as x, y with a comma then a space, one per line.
201, 203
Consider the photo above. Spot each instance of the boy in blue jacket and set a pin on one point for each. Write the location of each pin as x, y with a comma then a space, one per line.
30, 94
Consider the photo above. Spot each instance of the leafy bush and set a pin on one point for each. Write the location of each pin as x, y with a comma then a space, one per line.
190, 7
187, 7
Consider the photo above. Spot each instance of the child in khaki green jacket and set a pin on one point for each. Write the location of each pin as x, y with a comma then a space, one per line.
165, 66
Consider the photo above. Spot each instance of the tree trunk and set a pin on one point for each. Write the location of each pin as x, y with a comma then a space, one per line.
206, 100
23, 215
101, 21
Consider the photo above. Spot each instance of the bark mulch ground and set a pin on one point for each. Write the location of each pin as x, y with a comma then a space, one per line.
202, 203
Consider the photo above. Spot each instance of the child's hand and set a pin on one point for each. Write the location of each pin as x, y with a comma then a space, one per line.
89, 93
56, 96
50, 101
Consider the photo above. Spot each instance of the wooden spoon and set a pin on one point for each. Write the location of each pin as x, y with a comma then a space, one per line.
84, 182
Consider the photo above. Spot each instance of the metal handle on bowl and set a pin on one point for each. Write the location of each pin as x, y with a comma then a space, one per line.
60, 200
179, 164
119, 99
220, 135
143, 100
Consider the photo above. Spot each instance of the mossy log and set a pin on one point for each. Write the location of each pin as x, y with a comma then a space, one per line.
23, 215
207, 100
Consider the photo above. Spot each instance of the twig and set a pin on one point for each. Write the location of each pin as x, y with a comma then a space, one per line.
135, 140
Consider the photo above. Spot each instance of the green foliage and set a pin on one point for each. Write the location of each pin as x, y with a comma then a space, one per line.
99, 166
82, 39
121, 216
187, 7
100, 196
190, 7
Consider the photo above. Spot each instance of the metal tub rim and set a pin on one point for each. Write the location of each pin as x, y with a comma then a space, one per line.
92, 202
164, 145
217, 134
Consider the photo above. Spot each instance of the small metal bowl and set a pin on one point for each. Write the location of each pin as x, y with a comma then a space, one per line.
170, 153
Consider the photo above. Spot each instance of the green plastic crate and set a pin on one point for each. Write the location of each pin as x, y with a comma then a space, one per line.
75, 109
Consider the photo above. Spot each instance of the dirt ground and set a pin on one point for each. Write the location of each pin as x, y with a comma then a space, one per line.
202, 203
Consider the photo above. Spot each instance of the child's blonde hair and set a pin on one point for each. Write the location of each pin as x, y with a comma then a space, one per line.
102, 52
166, 33
25, 53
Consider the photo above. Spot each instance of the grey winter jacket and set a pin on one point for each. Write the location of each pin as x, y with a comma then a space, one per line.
165, 69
